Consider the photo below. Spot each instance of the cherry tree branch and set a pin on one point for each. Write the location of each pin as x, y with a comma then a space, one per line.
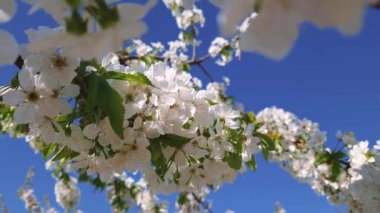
376, 5
19, 62
199, 201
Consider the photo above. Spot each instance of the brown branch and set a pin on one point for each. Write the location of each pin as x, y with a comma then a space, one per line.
376, 5
210, 78
199, 201
123, 59
200, 60
194, 43
19, 62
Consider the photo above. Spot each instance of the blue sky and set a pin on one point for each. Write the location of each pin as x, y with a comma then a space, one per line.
328, 78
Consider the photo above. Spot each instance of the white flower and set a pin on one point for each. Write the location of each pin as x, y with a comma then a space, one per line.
158, 46
146, 201
9, 48
7, 11
30, 200
377, 146
142, 48
94, 165
133, 154
228, 114
358, 155
46, 130
275, 28
67, 194
55, 68
33, 101
98, 44
217, 45
279, 208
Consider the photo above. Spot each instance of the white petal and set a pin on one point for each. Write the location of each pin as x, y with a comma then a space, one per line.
13, 97
91, 131
65, 107
131, 12
110, 59
70, 91
9, 48
7, 10
26, 80
25, 113
50, 106
233, 13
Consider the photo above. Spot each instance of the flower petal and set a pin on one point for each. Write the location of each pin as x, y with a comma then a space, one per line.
70, 91
25, 113
13, 97
7, 10
26, 79
9, 47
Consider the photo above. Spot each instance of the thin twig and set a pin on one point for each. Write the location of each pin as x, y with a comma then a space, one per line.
200, 60
193, 32
199, 200
210, 78
124, 59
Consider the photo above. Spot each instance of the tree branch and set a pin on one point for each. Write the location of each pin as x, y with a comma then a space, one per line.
376, 5
19, 62
210, 78
199, 201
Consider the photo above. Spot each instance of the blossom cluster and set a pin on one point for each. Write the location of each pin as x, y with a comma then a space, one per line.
185, 12
345, 176
125, 192
136, 117
67, 193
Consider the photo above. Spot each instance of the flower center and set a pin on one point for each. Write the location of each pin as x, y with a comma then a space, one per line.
59, 61
33, 96
129, 97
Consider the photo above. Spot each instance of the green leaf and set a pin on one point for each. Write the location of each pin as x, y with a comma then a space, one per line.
182, 198
136, 77
188, 37
156, 151
76, 24
83, 177
185, 67
91, 100
65, 153
15, 82
234, 160
266, 141
75, 4
172, 140
47, 150
101, 94
265, 153
158, 159
105, 16
111, 103
339, 155
148, 60
369, 155
252, 163
233, 134
322, 158
249, 118
335, 169
99, 185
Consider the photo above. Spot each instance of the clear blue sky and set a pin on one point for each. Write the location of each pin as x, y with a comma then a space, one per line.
327, 78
